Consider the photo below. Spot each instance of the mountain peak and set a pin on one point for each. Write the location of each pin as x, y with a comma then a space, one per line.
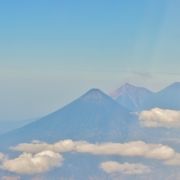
97, 96
174, 86
94, 94
128, 85
130, 96
95, 90
128, 89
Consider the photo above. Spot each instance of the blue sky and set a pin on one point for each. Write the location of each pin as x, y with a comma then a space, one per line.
52, 51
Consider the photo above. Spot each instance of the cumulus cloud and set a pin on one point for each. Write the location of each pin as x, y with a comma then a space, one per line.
160, 118
28, 163
125, 168
129, 149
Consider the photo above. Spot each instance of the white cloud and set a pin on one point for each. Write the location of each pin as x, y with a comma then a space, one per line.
175, 161
160, 118
125, 168
39, 157
37, 146
130, 149
28, 163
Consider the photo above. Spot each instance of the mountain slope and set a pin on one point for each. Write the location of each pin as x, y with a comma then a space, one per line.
167, 98
132, 97
94, 117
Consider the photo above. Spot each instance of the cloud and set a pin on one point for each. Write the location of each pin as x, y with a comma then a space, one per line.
136, 148
129, 149
28, 163
37, 146
125, 168
175, 161
160, 118
38, 157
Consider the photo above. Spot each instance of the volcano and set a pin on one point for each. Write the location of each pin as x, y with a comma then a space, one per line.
94, 117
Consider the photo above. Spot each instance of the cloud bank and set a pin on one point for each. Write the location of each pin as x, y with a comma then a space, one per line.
125, 168
160, 118
39, 157
129, 149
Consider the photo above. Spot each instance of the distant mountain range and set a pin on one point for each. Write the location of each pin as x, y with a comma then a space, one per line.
97, 117
139, 98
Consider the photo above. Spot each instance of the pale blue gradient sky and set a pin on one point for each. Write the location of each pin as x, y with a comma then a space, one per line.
52, 51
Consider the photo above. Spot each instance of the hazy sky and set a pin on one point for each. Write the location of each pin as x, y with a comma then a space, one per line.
52, 51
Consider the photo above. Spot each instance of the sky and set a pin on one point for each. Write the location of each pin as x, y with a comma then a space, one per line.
52, 51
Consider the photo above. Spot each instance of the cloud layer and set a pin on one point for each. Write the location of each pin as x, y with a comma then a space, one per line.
125, 168
129, 149
38, 157
160, 118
